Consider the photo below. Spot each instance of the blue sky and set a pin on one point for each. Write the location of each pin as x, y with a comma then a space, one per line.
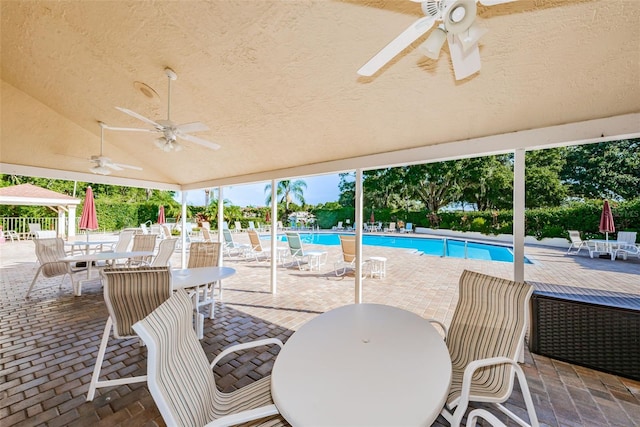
320, 189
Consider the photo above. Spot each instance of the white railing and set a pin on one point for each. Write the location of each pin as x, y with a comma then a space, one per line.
21, 224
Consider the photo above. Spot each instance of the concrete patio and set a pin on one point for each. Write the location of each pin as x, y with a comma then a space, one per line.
48, 343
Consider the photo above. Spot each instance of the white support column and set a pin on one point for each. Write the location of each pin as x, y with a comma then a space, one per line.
518, 214
71, 226
274, 236
60, 231
183, 227
358, 227
220, 223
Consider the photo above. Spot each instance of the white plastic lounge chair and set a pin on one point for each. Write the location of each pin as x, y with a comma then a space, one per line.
10, 234
339, 227
232, 248
48, 252
130, 294
630, 247
348, 256
32, 230
238, 226
257, 251
313, 258
180, 377
576, 242
391, 229
252, 226
485, 340
165, 251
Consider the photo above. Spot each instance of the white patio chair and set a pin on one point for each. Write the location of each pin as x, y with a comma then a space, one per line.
299, 255
33, 227
10, 234
257, 251
165, 251
203, 254
122, 245
238, 226
485, 340
48, 252
348, 255
576, 242
629, 247
142, 243
130, 294
181, 379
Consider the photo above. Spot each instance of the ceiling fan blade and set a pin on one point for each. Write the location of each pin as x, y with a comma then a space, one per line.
191, 127
465, 63
140, 117
123, 166
494, 2
130, 129
408, 36
113, 166
100, 170
200, 141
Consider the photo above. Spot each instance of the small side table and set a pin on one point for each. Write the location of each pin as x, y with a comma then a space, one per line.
378, 266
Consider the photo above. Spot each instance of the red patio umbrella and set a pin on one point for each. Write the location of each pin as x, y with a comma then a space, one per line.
267, 217
606, 220
161, 218
89, 217
373, 218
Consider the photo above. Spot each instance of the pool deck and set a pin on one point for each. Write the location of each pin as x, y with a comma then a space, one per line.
49, 342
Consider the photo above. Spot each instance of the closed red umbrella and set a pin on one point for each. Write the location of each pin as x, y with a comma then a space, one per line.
606, 220
161, 218
267, 217
89, 217
373, 218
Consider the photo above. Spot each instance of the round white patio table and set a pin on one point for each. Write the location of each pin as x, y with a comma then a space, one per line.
362, 365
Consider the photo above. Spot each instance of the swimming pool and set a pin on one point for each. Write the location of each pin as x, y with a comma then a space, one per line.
427, 245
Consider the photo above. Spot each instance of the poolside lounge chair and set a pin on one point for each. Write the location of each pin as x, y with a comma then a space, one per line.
576, 242
391, 229
339, 227
313, 258
485, 340
181, 379
238, 226
630, 247
256, 251
130, 294
10, 234
348, 256
408, 228
232, 248
48, 252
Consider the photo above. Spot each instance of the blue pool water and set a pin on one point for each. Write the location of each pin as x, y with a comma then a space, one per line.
428, 246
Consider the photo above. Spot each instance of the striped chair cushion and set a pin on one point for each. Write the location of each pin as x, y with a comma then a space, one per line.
204, 254
132, 293
48, 251
489, 321
184, 381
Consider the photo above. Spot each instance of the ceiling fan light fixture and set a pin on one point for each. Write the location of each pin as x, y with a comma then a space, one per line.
471, 36
432, 46
459, 16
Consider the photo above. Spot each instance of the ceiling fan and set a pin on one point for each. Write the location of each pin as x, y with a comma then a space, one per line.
457, 26
104, 165
170, 131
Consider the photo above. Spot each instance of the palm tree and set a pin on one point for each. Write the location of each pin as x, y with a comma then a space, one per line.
287, 192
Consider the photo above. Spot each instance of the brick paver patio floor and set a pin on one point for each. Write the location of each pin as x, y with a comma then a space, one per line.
48, 343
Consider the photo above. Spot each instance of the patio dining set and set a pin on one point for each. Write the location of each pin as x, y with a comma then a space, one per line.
621, 247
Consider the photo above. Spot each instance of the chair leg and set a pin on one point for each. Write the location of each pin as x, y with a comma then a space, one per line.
33, 282
95, 377
99, 359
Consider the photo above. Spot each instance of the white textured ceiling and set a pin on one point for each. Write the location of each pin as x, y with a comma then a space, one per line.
276, 80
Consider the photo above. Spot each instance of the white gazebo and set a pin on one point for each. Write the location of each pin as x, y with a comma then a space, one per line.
32, 195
